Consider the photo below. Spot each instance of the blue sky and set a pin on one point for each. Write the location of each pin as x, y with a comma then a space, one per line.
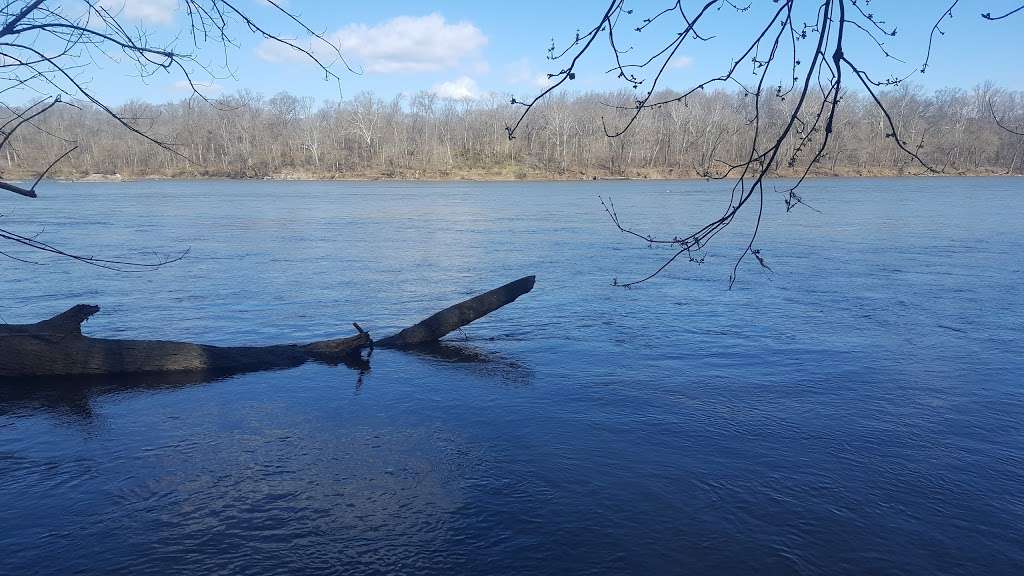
469, 49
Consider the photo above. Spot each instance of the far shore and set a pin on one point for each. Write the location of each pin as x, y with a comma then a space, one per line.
488, 176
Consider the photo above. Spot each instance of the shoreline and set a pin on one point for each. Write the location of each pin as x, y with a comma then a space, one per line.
496, 175
117, 178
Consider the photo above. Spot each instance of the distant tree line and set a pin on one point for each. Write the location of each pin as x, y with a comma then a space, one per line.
246, 135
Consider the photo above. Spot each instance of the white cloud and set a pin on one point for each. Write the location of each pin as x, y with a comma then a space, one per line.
680, 62
411, 44
463, 88
402, 44
149, 11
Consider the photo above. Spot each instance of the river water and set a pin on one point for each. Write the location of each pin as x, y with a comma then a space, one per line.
860, 410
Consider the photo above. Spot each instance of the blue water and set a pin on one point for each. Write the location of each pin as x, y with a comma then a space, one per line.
858, 411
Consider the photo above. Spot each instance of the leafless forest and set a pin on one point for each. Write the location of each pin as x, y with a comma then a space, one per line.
247, 135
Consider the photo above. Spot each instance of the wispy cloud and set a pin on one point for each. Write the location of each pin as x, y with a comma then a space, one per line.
680, 62
402, 44
148, 11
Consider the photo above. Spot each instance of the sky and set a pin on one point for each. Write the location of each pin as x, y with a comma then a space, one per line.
472, 49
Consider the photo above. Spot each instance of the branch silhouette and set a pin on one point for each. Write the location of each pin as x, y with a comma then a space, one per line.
797, 59
48, 51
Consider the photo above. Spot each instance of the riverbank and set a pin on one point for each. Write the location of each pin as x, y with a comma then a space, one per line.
481, 175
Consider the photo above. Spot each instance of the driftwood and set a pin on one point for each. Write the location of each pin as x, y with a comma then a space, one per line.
454, 317
57, 347
72, 399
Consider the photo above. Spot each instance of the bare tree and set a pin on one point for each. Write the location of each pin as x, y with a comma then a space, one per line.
791, 103
798, 62
47, 47
1001, 106
246, 135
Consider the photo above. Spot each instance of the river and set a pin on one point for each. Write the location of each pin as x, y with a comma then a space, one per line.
859, 410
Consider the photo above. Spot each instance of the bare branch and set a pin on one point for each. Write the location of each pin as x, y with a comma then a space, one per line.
989, 16
802, 140
46, 50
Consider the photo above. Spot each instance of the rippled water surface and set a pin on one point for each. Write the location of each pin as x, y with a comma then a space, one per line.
859, 411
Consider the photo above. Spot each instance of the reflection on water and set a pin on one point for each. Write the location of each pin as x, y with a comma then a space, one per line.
479, 361
857, 412
71, 397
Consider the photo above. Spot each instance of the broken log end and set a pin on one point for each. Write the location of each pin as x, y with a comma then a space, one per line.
69, 321
454, 317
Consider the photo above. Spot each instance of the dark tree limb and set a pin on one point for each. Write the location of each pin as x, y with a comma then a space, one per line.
989, 16
57, 347
454, 317
47, 48
18, 189
795, 53
1000, 123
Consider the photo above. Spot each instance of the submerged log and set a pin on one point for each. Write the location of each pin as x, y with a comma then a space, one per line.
57, 347
454, 317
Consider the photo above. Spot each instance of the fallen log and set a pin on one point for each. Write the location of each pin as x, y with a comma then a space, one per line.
57, 347
454, 317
